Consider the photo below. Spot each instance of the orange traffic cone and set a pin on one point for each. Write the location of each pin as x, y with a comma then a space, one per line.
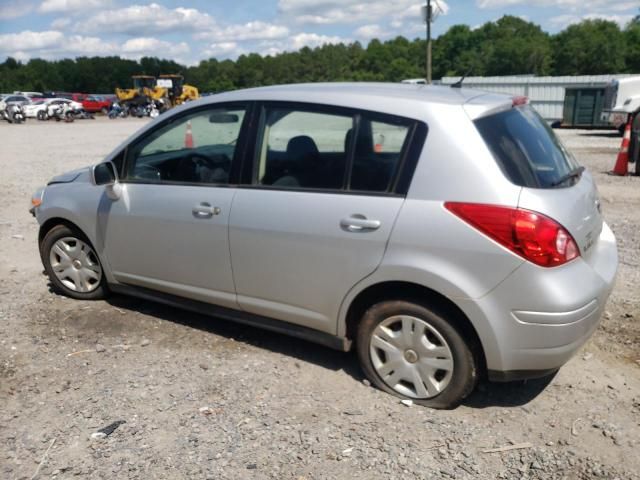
188, 136
622, 163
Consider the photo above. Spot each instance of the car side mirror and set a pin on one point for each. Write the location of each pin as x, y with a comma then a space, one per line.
107, 175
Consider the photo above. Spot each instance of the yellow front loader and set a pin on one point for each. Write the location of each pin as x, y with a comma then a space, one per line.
167, 90
177, 91
144, 87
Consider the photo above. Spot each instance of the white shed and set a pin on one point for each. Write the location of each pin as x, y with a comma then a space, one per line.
546, 94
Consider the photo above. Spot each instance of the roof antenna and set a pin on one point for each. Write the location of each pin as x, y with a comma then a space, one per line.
458, 84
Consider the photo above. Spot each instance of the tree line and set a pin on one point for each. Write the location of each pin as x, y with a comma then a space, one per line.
508, 46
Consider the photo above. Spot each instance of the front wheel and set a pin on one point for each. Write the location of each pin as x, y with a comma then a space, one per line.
415, 352
41, 115
72, 264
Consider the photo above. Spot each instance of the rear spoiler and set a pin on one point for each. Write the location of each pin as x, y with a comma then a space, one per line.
492, 103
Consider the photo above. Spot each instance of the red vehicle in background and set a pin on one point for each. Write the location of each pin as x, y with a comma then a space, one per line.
92, 103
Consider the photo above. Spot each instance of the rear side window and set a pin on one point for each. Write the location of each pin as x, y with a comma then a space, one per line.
327, 148
303, 149
378, 152
526, 149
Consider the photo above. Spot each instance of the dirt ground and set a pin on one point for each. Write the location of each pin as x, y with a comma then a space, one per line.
203, 398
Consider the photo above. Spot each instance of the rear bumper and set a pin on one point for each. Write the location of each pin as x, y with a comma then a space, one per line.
537, 318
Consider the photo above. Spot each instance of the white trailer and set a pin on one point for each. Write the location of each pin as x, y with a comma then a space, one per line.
621, 99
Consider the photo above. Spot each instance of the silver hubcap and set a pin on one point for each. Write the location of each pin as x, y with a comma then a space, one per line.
411, 356
75, 264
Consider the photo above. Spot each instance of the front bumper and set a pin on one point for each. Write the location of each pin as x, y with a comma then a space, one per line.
537, 318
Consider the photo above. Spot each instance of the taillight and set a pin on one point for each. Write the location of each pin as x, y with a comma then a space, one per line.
531, 235
519, 100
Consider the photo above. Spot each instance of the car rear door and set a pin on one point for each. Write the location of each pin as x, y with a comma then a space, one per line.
169, 229
318, 208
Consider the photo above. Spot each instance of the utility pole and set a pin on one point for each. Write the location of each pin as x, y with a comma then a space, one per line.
428, 21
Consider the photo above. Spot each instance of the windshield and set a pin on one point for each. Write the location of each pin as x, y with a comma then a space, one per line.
526, 149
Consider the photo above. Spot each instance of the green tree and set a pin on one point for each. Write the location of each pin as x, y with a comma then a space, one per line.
632, 44
590, 47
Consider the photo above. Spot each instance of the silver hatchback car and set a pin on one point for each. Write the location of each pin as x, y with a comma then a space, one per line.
445, 233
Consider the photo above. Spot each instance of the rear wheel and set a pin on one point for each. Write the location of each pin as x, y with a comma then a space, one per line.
42, 115
415, 352
72, 264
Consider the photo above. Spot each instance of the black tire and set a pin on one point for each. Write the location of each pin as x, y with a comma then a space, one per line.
464, 375
98, 290
41, 115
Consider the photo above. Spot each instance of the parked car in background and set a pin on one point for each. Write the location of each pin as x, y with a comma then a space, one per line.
351, 215
31, 95
14, 98
96, 103
38, 109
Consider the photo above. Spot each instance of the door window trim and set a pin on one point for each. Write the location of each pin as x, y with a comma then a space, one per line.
238, 154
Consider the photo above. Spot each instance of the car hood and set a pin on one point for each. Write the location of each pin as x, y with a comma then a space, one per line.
69, 176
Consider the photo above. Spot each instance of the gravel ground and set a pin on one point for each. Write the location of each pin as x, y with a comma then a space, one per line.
202, 398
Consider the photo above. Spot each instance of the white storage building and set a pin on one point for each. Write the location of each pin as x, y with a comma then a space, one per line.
546, 94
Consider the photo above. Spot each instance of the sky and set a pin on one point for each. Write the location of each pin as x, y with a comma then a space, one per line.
190, 31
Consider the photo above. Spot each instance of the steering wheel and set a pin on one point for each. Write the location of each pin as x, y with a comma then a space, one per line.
201, 160
148, 172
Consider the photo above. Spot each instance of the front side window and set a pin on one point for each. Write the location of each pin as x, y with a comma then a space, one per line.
196, 148
302, 149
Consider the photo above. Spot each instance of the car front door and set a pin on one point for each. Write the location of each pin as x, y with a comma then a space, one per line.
168, 231
318, 212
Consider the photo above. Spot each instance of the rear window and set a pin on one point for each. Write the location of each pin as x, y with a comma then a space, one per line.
526, 149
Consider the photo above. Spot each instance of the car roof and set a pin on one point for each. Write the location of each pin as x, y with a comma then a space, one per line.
399, 98
427, 93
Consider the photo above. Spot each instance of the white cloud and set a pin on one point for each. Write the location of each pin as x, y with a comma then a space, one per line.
296, 42
145, 19
367, 32
139, 47
60, 23
312, 40
28, 40
249, 31
346, 11
79, 45
54, 44
49, 6
562, 21
223, 49
14, 9
620, 5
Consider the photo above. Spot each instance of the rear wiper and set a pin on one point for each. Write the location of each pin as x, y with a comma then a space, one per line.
576, 172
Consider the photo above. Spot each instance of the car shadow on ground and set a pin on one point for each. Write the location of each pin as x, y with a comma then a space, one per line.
508, 394
487, 394
601, 134
276, 342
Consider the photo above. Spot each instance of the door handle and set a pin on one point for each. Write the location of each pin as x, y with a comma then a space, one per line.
359, 223
205, 210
